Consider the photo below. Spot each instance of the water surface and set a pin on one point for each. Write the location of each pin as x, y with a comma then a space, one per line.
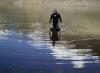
25, 46
33, 52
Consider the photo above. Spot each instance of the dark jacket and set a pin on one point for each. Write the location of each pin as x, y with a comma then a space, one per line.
55, 18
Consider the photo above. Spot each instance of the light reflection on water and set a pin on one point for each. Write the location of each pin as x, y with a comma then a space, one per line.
24, 45
33, 47
75, 56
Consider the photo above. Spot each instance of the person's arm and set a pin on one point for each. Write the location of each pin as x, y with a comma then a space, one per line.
60, 18
50, 19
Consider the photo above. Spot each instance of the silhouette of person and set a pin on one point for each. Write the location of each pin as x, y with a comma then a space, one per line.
55, 18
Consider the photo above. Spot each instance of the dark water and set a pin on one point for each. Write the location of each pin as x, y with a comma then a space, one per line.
31, 51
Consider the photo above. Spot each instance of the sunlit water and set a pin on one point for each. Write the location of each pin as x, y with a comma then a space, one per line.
25, 46
34, 53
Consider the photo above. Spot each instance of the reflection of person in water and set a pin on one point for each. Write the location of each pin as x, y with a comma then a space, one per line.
55, 18
54, 32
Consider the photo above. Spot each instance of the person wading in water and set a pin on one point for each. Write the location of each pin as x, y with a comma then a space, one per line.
55, 18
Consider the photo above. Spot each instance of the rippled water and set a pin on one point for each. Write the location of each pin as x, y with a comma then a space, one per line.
25, 46
33, 52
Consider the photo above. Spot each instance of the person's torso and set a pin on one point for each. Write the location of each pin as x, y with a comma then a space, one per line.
55, 17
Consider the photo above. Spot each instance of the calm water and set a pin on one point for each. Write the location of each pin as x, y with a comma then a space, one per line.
25, 46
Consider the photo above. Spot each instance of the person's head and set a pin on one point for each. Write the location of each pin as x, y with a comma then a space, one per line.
55, 10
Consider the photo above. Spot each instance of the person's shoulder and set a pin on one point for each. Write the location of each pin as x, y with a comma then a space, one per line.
52, 13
